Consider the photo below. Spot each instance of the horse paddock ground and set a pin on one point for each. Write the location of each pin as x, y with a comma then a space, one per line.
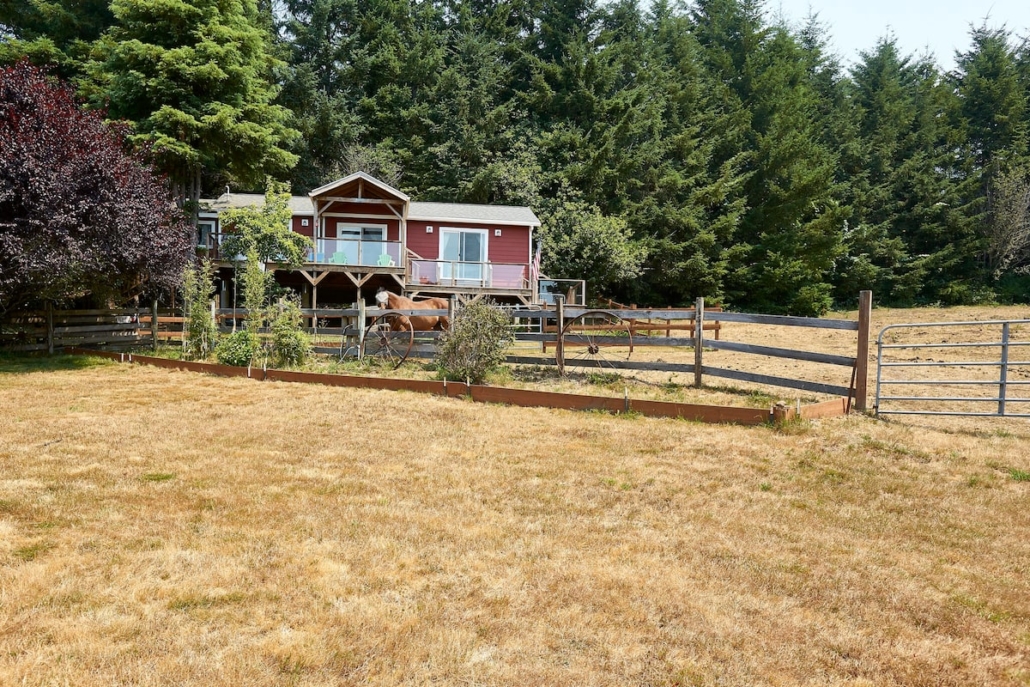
165, 527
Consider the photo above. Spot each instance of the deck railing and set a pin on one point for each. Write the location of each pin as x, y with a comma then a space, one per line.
493, 275
356, 252
329, 252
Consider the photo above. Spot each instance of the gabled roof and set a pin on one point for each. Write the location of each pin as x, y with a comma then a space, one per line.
427, 212
300, 205
385, 188
464, 212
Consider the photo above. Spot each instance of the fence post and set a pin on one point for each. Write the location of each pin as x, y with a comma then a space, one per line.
50, 327
153, 324
865, 311
361, 325
559, 342
452, 308
1003, 384
699, 339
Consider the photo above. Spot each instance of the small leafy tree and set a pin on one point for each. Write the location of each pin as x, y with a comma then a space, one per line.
580, 242
290, 343
265, 229
78, 215
199, 327
476, 343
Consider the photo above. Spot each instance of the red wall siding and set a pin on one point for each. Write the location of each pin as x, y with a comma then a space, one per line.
298, 229
511, 246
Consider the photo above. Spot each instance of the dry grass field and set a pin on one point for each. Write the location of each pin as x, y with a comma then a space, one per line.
161, 527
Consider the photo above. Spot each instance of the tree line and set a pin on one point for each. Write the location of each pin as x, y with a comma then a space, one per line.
672, 151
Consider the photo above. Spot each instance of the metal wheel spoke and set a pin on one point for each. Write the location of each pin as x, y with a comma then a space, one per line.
386, 341
598, 338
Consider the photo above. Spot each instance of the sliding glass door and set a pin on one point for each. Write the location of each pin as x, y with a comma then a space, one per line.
464, 254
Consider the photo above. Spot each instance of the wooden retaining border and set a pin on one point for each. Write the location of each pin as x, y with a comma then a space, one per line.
502, 395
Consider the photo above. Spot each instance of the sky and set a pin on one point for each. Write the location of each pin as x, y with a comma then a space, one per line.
940, 25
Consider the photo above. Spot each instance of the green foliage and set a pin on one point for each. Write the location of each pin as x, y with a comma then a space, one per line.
579, 240
199, 327
476, 344
291, 345
237, 349
265, 229
195, 78
255, 288
1019, 475
699, 149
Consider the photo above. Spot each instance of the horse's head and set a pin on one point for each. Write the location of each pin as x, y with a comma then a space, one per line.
382, 297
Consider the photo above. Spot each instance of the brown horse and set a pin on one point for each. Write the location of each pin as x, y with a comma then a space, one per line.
419, 323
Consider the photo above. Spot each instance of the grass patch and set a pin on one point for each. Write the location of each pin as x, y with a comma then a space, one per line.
30, 363
1019, 475
158, 476
33, 551
604, 378
205, 601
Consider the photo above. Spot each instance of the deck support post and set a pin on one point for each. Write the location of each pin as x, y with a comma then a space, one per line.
699, 330
865, 311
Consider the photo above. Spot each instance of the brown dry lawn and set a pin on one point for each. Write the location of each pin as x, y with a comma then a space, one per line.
161, 527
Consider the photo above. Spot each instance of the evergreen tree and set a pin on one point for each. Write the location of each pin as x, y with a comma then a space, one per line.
195, 80
56, 32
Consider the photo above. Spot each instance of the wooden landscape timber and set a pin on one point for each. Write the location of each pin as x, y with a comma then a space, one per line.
485, 394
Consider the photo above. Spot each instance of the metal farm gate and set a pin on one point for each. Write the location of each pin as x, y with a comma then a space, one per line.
954, 368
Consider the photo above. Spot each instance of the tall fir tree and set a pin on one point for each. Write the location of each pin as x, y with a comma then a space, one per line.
196, 80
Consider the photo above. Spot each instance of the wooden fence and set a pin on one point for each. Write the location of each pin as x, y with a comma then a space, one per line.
49, 330
559, 329
556, 329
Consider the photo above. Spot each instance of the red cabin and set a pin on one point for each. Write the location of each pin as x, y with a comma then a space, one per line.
367, 234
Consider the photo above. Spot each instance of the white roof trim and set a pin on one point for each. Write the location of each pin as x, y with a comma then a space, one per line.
359, 175
466, 220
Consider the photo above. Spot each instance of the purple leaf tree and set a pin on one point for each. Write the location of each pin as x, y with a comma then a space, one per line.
80, 215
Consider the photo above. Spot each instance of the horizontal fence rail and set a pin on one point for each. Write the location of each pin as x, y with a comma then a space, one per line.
997, 370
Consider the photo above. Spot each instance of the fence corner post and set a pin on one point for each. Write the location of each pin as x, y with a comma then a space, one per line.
865, 311
559, 342
452, 308
699, 339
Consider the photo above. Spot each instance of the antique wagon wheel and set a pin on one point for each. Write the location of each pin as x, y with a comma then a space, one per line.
385, 345
596, 339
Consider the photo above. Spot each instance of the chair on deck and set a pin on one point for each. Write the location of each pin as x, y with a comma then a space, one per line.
339, 258
385, 261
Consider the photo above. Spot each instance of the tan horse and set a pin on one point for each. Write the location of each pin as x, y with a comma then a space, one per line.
391, 301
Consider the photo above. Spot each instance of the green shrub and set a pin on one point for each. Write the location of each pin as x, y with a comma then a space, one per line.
237, 349
476, 343
290, 344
